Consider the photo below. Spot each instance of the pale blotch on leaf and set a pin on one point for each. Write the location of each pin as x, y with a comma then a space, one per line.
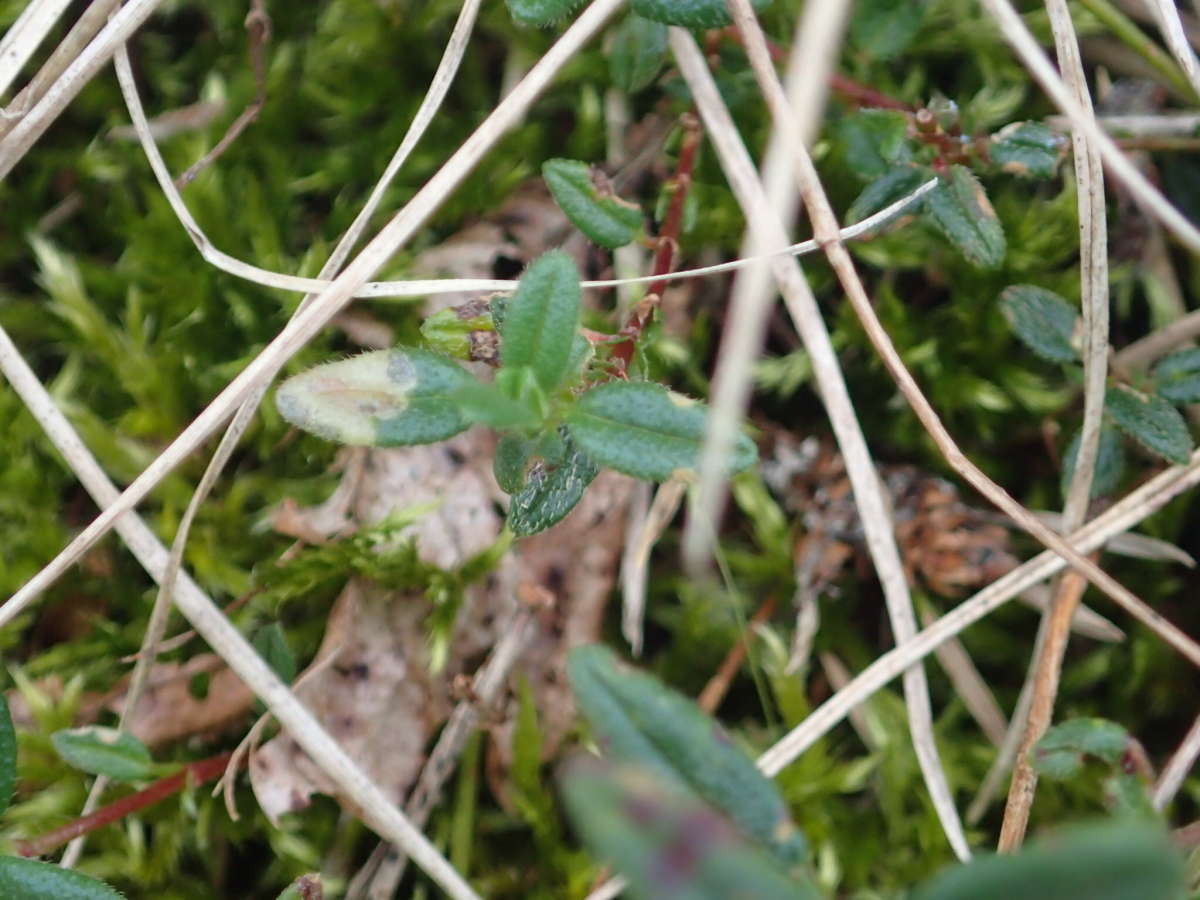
342, 401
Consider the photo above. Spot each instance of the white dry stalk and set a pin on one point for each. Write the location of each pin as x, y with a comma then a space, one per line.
1093, 267
483, 695
993, 781
25, 35
1123, 515
307, 323
1167, 15
1178, 767
1169, 124
1043, 674
737, 357
1144, 351
84, 29
970, 686
635, 561
25, 133
225, 639
1122, 169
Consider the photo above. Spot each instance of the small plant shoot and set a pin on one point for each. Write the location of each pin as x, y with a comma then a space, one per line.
560, 416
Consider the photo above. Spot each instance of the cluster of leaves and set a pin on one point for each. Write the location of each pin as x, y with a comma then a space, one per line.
1065, 749
558, 425
1050, 326
683, 812
899, 151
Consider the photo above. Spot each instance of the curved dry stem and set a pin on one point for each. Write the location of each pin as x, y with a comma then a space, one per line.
1093, 273
868, 493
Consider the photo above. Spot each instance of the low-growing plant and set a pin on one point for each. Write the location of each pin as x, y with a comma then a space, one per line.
560, 412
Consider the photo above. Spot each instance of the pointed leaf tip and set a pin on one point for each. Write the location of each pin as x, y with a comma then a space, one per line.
959, 208
1152, 422
541, 319
104, 751
1044, 321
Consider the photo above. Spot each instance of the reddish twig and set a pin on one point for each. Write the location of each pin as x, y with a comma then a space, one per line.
847, 88
258, 26
667, 243
718, 686
194, 773
865, 95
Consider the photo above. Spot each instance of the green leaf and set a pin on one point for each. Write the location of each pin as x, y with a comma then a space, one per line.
1152, 422
8, 755
1127, 794
1044, 321
551, 488
1061, 752
1028, 149
646, 431
486, 404
874, 141
1110, 462
104, 751
586, 197
449, 331
29, 879
885, 28
541, 319
666, 841
897, 183
1114, 861
541, 12
306, 887
508, 465
689, 13
640, 721
959, 209
639, 49
271, 644
386, 398
1177, 376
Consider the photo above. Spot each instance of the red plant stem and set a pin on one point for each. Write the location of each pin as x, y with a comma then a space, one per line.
195, 773
668, 241
848, 88
864, 95
718, 686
